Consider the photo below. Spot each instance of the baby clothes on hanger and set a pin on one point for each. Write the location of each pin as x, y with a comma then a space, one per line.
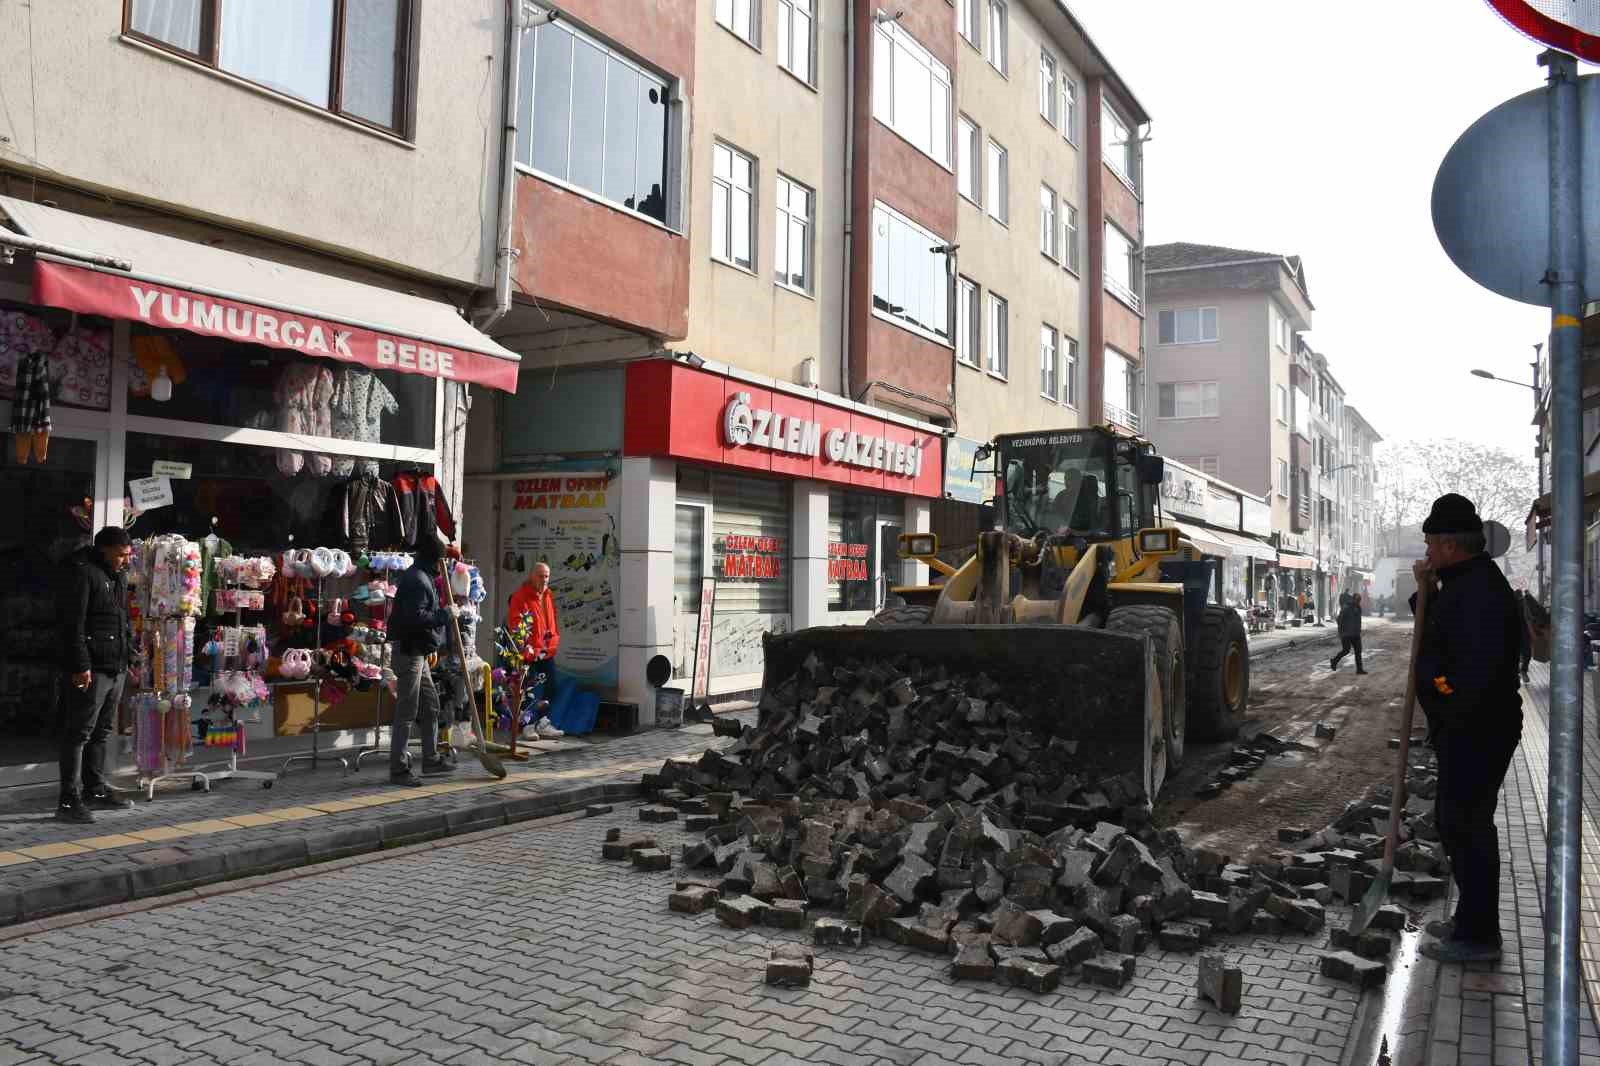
370, 513
80, 368
360, 401
304, 394
30, 411
423, 508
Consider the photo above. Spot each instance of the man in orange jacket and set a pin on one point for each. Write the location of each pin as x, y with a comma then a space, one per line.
532, 601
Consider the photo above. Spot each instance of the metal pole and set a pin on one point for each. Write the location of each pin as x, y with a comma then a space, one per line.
1565, 279
1538, 488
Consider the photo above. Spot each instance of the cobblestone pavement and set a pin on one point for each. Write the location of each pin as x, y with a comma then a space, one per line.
522, 945
185, 838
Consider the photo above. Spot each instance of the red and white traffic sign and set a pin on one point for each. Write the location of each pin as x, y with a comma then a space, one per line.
1571, 26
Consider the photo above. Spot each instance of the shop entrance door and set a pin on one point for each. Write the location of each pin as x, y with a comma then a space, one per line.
47, 511
889, 569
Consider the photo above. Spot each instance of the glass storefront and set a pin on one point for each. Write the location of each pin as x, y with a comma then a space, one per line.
863, 549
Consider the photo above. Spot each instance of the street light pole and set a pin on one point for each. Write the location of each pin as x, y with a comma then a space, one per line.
1538, 450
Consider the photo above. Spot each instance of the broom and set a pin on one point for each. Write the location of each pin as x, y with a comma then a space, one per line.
1378, 891
493, 765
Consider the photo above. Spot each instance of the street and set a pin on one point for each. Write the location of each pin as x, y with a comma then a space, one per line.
522, 945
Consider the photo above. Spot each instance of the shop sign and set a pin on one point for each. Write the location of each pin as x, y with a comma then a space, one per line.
847, 562
965, 478
748, 426
1256, 516
751, 558
1184, 491
702, 639
566, 492
148, 493
1222, 510
167, 468
1294, 542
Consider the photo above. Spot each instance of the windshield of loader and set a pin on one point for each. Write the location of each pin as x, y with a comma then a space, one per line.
1074, 482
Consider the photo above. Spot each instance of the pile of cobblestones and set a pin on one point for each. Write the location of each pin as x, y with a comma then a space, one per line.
922, 807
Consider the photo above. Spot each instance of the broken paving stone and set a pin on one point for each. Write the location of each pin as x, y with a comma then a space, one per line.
833, 933
789, 966
1389, 918
740, 912
785, 914
1320, 892
1219, 982
1371, 944
973, 961
1109, 969
1054, 927
699, 823
1349, 884
1210, 906
1302, 915
658, 814
1123, 935
692, 900
1083, 944
1345, 966
908, 878
1292, 834
1104, 838
1016, 927
1324, 731
1034, 976
651, 859
1178, 936
698, 856
726, 726
1075, 869
622, 847
1267, 924
594, 810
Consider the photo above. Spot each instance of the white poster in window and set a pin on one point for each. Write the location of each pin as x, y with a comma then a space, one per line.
567, 519
149, 493
168, 468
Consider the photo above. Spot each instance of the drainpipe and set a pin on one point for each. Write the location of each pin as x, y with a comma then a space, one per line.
849, 189
504, 253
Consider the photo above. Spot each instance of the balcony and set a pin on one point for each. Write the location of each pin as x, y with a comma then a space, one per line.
1120, 289
1121, 416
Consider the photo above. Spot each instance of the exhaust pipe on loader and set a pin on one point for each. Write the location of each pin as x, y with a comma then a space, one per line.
1095, 687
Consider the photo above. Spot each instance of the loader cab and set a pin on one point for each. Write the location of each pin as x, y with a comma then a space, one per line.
1090, 483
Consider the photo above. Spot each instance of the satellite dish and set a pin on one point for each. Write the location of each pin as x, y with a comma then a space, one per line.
1497, 539
658, 671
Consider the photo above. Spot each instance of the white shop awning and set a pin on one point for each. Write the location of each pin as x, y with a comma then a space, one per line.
1246, 546
178, 284
1205, 539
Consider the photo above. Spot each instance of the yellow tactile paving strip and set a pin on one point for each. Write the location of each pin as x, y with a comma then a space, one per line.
159, 834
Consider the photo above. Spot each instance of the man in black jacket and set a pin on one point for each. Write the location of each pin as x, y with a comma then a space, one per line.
417, 628
1466, 678
1349, 630
96, 647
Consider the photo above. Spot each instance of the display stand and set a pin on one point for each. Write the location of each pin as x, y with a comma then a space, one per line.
162, 725
315, 756
231, 769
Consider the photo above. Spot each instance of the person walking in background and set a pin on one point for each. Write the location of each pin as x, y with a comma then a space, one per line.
1349, 631
96, 648
1466, 680
417, 629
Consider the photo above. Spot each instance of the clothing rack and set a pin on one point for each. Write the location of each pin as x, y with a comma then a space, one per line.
315, 756
161, 709
231, 768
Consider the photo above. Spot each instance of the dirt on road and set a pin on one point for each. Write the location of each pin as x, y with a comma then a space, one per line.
1290, 692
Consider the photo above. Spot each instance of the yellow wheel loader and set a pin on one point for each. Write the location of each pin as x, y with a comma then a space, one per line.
1112, 618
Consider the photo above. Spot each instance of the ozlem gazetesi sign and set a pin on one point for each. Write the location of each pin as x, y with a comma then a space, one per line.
746, 426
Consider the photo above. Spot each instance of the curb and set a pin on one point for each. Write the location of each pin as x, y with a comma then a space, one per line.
254, 859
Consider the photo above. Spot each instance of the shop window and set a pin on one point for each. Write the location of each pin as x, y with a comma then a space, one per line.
733, 199
78, 354
219, 383
351, 57
863, 549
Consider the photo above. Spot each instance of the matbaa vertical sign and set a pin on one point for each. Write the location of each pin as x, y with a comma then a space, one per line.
702, 639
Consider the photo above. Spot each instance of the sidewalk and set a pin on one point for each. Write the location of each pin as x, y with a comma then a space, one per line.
185, 839
1493, 1014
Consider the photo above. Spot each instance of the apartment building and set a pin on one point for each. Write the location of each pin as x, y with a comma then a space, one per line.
249, 249
1358, 493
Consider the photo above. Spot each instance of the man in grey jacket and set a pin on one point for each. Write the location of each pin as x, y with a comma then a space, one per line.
417, 629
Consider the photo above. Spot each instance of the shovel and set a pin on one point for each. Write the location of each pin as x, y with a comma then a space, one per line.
1378, 891
493, 765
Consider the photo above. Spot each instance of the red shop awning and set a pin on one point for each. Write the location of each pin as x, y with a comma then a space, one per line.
178, 284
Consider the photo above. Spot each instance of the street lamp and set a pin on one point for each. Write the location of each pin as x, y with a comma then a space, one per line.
1538, 447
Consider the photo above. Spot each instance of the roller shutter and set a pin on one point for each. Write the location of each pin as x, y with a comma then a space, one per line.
752, 576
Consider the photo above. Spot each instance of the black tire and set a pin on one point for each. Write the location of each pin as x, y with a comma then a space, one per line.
1161, 625
905, 614
1219, 675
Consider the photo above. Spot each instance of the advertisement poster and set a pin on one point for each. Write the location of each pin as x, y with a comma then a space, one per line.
702, 640
568, 519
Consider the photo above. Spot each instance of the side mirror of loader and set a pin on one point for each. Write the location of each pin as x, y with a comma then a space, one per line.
918, 545
1152, 469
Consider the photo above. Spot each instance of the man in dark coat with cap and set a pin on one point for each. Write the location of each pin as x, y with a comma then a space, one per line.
1466, 678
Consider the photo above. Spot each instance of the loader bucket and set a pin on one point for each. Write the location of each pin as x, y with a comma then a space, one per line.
1088, 685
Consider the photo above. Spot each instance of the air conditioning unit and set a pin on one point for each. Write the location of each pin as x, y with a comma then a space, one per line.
807, 374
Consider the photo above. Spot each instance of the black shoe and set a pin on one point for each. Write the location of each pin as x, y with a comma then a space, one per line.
435, 768
108, 801
1361, 671
1333, 663
409, 780
76, 813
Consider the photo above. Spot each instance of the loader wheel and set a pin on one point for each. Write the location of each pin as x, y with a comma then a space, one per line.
1166, 641
904, 615
1219, 685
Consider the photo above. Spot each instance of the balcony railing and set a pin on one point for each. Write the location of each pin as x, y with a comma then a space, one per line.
1122, 416
1117, 288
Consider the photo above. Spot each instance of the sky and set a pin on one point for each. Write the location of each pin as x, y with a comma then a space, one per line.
1304, 128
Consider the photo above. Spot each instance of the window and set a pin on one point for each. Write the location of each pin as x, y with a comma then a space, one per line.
590, 117
1206, 464
1047, 362
909, 279
796, 44
1069, 371
967, 151
999, 195
1069, 224
1121, 389
1189, 325
1047, 87
1118, 146
1070, 118
733, 204
1188, 399
999, 363
1047, 221
1283, 405
742, 18
911, 91
1283, 478
358, 69
1121, 278
1282, 331
967, 20
969, 322
997, 36
792, 238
